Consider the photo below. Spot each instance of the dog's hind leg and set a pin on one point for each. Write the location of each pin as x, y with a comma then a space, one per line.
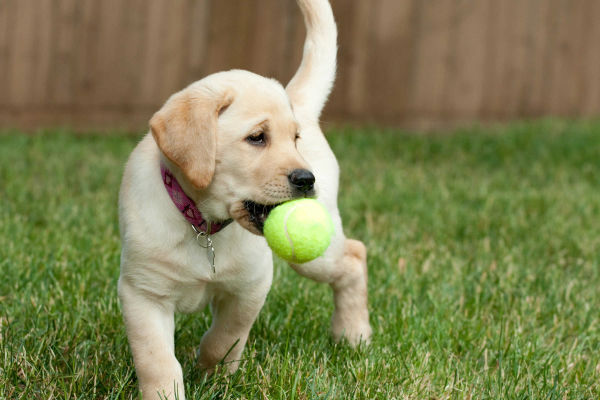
351, 316
344, 268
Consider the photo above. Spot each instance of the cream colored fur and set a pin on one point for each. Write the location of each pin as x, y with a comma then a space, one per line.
200, 134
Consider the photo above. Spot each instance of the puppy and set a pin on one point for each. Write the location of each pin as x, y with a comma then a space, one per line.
195, 193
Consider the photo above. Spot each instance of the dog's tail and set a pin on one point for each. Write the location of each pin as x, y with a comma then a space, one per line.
310, 86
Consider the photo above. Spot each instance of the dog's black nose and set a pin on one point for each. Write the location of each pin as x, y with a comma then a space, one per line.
302, 180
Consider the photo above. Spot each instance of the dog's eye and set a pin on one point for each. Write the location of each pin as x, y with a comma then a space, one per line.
297, 136
257, 139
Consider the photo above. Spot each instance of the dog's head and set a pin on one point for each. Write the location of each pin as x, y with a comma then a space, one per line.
233, 137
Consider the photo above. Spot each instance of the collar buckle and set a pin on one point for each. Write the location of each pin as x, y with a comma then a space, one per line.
208, 244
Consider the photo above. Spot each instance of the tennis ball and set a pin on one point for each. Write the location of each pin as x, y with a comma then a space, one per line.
299, 230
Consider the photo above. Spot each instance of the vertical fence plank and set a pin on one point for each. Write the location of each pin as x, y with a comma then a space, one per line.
356, 46
293, 47
197, 46
466, 60
112, 47
7, 21
389, 53
229, 34
266, 31
566, 73
62, 85
552, 22
134, 25
539, 14
172, 58
87, 58
490, 89
590, 103
577, 89
22, 66
432, 19
42, 53
512, 58
151, 63
343, 12
532, 16
295, 38
506, 57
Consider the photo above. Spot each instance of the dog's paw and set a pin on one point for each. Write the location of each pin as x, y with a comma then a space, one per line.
351, 329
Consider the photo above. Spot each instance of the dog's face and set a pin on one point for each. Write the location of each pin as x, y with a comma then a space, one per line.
233, 135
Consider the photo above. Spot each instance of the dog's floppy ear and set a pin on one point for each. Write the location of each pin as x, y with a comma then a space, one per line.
185, 130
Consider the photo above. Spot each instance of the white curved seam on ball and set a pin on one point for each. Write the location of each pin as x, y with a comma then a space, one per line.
287, 235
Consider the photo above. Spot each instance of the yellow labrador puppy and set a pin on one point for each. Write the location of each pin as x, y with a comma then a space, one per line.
196, 190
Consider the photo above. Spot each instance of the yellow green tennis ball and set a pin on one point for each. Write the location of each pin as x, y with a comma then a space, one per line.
299, 230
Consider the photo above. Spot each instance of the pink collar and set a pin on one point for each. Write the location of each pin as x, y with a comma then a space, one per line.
187, 206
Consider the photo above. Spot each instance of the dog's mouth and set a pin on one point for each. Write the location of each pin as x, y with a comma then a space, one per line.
258, 213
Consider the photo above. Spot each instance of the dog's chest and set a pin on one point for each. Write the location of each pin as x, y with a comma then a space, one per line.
237, 263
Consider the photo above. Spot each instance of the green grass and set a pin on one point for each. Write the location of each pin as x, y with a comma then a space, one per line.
495, 296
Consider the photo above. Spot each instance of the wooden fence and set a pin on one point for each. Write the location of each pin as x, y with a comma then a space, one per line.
111, 63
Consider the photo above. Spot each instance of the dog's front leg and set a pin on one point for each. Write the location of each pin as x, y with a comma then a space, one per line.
233, 316
150, 330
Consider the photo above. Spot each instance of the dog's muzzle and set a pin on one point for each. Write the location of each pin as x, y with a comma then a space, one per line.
258, 212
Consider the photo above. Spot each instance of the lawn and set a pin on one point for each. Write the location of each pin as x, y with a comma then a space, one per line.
484, 268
